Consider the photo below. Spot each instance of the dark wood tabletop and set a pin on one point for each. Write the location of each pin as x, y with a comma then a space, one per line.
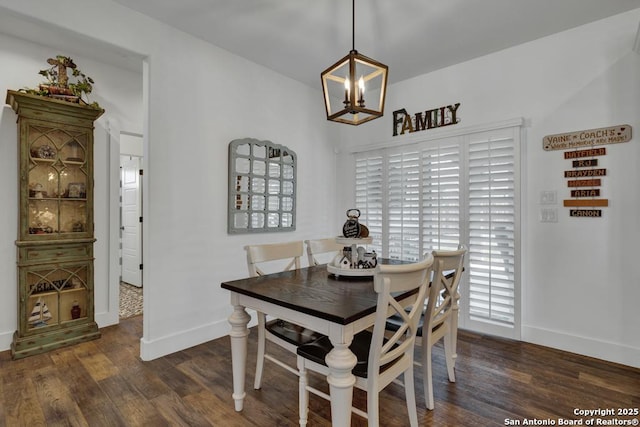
313, 291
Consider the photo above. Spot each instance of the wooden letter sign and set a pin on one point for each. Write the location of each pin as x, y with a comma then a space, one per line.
585, 173
429, 119
588, 163
585, 153
586, 138
585, 193
586, 203
584, 183
594, 213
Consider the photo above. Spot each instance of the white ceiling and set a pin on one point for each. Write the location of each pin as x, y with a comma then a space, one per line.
301, 38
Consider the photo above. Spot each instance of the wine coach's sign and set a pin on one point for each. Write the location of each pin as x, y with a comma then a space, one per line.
429, 119
586, 138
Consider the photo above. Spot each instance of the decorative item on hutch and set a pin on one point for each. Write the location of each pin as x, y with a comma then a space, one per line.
55, 232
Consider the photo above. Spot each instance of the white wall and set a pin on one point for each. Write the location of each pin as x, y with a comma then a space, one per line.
198, 98
581, 277
131, 145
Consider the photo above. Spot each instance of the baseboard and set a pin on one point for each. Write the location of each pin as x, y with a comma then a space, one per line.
153, 349
609, 351
107, 318
6, 338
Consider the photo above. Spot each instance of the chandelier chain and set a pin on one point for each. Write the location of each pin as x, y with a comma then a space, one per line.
353, 25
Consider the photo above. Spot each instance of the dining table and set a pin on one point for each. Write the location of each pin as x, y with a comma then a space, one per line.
336, 306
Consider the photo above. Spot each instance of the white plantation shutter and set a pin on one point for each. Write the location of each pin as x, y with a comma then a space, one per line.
441, 196
403, 206
492, 225
441, 193
369, 197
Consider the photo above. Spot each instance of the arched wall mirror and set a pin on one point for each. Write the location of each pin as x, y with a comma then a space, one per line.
262, 187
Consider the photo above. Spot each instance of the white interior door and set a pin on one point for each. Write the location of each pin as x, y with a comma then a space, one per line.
131, 221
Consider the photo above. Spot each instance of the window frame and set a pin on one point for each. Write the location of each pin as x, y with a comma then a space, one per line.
510, 129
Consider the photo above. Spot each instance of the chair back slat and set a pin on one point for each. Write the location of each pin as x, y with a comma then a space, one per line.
321, 246
390, 281
291, 252
448, 267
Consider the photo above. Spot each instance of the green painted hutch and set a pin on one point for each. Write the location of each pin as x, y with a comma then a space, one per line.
55, 232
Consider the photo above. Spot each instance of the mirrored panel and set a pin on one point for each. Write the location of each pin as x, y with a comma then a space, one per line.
262, 190
287, 187
243, 150
243, 165
259, 151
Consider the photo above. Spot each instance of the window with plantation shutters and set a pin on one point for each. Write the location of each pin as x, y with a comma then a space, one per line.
492, 220
440, 193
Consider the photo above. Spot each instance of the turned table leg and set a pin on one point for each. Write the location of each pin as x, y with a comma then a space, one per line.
239, 332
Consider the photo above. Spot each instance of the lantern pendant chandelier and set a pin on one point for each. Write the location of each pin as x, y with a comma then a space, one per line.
344, 84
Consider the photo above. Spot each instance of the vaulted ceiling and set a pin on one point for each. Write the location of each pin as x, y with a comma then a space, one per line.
300, 38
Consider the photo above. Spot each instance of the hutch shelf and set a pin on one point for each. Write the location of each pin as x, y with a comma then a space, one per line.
55, 232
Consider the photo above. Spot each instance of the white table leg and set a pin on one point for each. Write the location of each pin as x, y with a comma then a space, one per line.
341, 361
239, 332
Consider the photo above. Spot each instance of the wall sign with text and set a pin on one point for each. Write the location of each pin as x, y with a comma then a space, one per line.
587, 138
583, 193
586, 173
404, 122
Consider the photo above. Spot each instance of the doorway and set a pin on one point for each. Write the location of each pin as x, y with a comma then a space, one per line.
131, 244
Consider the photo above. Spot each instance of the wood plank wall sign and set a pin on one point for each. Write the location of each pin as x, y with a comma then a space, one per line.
587, 138
446, 115
585, 165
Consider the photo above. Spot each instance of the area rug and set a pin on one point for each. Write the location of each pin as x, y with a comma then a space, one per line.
130, 300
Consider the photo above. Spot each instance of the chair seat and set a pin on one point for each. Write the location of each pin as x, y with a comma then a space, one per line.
394, 322
317, 351
291, 333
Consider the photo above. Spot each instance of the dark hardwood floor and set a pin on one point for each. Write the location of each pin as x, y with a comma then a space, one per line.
104, 383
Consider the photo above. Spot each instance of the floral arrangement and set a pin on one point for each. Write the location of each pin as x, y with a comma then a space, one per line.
59, 86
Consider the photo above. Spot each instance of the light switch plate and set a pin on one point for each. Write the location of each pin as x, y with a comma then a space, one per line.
548, 215
548, 197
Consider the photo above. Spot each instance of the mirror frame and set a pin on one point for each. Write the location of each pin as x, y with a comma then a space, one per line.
240, 200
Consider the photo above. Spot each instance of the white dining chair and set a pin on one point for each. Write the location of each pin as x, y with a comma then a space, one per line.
380, 360
283, 333
321, 247
443, 321
440, 321
456, 301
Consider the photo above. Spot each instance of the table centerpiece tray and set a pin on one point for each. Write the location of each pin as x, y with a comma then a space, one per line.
353, 242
